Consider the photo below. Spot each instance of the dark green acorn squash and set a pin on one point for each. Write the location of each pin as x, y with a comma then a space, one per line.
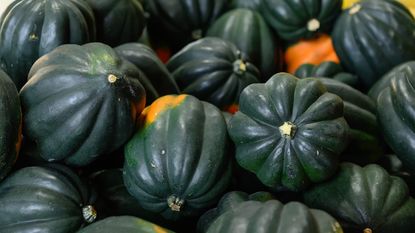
289, 131
327, 69
44, 199
118, 21
32, 28
249, 4
81, 102
295, 20
177, 164
365, 199
274, 217
372, 37
123, 224
248, 31
213, 70
228, 202
10, 124
158, 80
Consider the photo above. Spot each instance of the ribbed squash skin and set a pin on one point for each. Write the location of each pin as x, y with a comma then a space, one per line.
81, 102
213, 70
274, 217
395, 108
289, 156
294, 20
365, 198
32, 28
372, 37
157, 80
118, 21
177, 164
10, 124
248, 31
43, 199
124, 224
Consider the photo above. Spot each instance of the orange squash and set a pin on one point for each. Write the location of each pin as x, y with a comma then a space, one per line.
313, 51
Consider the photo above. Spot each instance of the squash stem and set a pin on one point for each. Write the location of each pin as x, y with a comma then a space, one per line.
287, 129
175, 203
367, 230
89, 213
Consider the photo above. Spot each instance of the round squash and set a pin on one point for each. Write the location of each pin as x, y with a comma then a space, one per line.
289, 131
177, 163
32, 28
213, 70
44, 199
295, 20
10, 124
365, 199
81, 102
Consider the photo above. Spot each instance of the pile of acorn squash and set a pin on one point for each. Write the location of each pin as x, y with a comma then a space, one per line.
207, 116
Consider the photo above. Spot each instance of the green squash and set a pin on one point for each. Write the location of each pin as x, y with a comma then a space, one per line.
32, 28
327, 69
295, 20
10, 124
81, 102
373, 48
289, 131
213, 70
365, 199
395, 108
177, 164
118, 21
249, 4
157, 80
384, 82
248, 31
274, 217
124, 224
228, 202
44, 199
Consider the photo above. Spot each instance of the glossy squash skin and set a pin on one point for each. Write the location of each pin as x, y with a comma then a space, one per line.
118, 21
249, 4
157, 80
213, 70
248, 31
290, 132
228, 202
177, 163
44, 199
295, 20
10, 124
365, 198
32, 28
389, 34
395, 108
124, 224
274, 217
81, 102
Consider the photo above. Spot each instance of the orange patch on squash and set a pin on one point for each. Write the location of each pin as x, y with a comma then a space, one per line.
158, 229
314, 51
232, 109
150, 113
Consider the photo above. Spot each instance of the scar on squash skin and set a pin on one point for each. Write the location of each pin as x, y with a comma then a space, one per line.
33, 37
313, 25
112, 78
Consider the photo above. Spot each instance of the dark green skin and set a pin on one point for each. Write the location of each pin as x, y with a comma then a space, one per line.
228, 202
209, 69
124, 224
185, 156
395, 108
249, 4
365, 197
72, 112
118, 21
248, 31
274, 217
290, 18
157, 79
312, 152
384, 82
328, 70
42, 199
366, 47
32, 28
10, 122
